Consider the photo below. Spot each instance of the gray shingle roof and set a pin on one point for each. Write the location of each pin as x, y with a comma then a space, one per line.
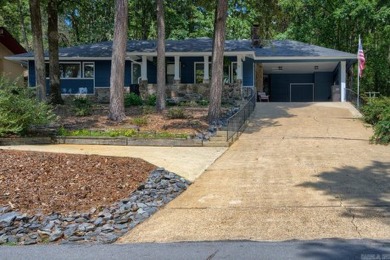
272, 49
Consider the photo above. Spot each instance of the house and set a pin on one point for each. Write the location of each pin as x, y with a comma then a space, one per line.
289, 71
10, 46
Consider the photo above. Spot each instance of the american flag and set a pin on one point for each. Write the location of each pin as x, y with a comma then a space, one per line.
361, 59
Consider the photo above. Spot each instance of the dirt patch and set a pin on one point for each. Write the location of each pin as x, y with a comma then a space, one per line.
35, 182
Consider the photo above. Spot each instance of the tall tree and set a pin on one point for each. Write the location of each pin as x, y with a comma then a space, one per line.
217, 60
36, 27
117, 108
54, 66
160, 102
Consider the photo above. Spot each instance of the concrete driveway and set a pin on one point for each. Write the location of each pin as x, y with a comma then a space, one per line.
300, 171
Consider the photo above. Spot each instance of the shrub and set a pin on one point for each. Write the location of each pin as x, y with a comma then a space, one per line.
140, 121
151, 100
176, 113
377, 113
82, 106
19, 109
132, 99
203, 102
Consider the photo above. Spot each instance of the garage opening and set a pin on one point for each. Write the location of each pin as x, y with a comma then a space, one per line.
301, 92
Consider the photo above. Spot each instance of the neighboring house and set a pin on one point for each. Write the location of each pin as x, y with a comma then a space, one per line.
10, 46
286, 70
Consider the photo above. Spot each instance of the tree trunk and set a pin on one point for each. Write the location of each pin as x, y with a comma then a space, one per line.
36, 27
217, 61
54, 66
117, 108
160, 102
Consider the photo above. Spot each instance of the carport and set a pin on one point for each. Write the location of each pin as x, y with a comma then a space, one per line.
290, 71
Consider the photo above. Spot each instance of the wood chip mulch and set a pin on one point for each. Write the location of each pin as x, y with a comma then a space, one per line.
36, 182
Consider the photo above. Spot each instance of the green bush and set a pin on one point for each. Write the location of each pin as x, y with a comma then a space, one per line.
132, 99
176, 113
19, 109
377, 113
140, 121
151, 100
82, 106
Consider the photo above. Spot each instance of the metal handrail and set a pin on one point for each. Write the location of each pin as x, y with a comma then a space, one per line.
352, 97
237, 122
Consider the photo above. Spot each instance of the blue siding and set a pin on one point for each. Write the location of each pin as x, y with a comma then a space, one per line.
280, 85
71, 86
31, 73
152, 72
102, 73
323, 83
187, 68
247, 72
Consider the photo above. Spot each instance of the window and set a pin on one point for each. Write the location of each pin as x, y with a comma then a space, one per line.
135, 72
70, 70
199, 72
88, 70
170, 73
234, 72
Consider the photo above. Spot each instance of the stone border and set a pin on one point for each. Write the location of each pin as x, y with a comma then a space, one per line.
104, 225
124, 141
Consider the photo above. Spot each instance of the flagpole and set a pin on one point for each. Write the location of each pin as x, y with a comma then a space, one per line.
358, 79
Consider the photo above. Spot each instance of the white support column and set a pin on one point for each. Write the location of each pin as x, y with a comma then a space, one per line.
206, 74
144, 68
177, 68
239, 67
343, 85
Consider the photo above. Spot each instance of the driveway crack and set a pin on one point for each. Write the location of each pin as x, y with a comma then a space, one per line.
212, 255
353, 222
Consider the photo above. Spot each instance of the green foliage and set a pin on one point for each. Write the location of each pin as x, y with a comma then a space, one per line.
132, 99
151, 100
203, 102
140, 121
176, 113
146, 110
81, 106
377, 113
131, 133
19, 109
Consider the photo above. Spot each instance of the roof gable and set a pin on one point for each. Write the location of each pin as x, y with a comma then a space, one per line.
10, 42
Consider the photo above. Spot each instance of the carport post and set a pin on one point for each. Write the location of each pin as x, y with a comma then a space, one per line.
343, 71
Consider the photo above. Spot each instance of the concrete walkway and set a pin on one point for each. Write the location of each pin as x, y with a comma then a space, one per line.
188, 162
300, 171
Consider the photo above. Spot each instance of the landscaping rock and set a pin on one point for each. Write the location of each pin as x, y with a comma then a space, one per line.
105, 227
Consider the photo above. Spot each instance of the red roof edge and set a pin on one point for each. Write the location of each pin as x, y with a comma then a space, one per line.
10, 42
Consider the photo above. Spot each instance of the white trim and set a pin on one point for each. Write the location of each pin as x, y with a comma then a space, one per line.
132, 72
302, 84
83, 65
200, 62
144, 68
343, 71
303, 58
177, 64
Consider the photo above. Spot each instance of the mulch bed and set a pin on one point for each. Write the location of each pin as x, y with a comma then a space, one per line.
36, 182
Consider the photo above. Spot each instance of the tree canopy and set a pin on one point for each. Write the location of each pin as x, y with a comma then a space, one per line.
330, 23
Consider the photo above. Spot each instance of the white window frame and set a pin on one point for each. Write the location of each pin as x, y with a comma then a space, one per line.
201, 62
88, 63
74, 62
132, 72
166, 74
232, 71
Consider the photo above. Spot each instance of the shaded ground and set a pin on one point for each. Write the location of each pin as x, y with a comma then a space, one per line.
195, 120
35, 182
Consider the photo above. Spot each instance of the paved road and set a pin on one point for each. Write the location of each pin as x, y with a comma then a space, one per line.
300, 171
316, 249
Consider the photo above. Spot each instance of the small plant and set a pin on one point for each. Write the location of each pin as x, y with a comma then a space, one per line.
151, 100
140, 121
82, 106
176, 113
132, 99
203, 102
146, 110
